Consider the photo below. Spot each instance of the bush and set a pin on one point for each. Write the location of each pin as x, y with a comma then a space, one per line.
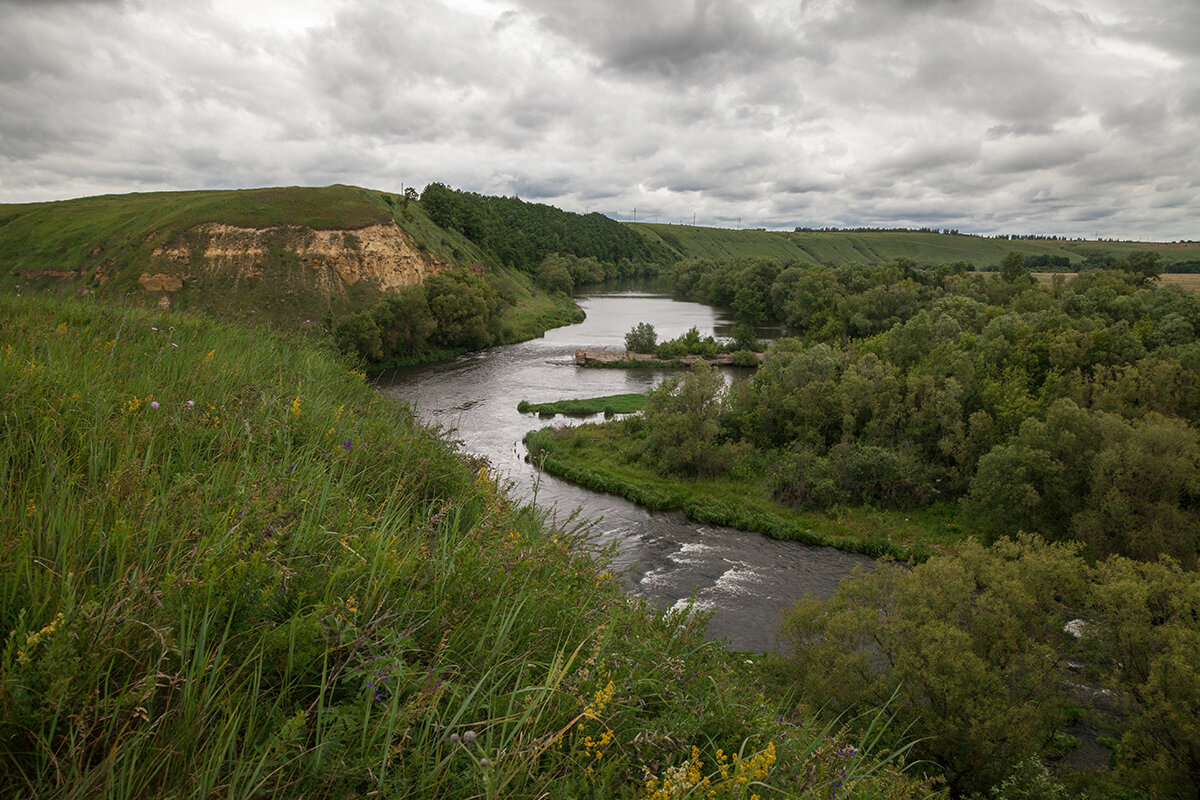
642, 338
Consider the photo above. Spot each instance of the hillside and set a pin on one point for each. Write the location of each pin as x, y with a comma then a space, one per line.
689, 241
281, 255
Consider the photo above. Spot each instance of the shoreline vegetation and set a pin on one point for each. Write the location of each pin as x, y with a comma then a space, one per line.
584, 455
233, 568
608, 405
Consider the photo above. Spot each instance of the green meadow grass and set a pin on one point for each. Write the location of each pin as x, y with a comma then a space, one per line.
689, 241
586, 406
230, 568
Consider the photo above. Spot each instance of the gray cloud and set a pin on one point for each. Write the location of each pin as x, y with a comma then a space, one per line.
1039, 115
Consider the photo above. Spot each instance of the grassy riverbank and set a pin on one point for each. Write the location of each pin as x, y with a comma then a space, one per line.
597, 457
233, 569
586, 406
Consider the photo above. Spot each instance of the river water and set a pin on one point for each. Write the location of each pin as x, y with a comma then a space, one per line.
743, 579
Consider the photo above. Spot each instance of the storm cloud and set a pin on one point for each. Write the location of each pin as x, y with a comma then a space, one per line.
1072, 117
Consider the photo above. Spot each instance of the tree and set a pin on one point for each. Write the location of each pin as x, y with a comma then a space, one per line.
1012, 267
642, 338
553, 275
465, 308
1144, 265
404, 322
682, 421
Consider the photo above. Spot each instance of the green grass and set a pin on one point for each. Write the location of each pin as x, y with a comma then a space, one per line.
599, 457
689, 241
103, 245
232, 569
586, 406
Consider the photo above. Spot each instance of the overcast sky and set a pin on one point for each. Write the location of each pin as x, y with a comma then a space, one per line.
1074, 117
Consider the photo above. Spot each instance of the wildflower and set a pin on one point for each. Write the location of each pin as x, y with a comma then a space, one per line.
191, 403
210, 355
174, 345
153, 328
455, 738
154, 404
483, 762
296, 408
348, 444
469, 737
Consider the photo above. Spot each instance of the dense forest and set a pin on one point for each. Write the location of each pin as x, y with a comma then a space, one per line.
522, 234
1069, 411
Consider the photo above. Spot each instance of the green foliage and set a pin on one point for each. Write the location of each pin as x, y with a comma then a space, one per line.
553, 276
689, 343
682, 422
608, 405
465, 310
976, 645
1012, 267
968, 644
1119, 487
231, 568
521, 234
641, 338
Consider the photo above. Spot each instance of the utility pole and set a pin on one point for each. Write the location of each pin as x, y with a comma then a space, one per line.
635, 213
693, 219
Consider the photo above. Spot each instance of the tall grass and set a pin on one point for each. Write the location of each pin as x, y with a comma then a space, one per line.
231, 569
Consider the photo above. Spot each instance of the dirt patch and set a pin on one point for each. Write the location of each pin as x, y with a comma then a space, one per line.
382, 255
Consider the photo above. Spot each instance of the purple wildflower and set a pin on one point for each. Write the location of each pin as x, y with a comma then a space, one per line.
348, 444
154, 404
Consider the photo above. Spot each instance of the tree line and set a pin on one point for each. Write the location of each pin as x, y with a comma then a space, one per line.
520, 235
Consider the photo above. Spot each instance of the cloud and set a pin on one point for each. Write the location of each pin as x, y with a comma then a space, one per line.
972, 114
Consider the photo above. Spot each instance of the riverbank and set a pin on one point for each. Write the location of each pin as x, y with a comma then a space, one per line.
595, 457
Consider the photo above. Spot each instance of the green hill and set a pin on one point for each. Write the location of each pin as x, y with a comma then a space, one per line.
690, 241
279, 255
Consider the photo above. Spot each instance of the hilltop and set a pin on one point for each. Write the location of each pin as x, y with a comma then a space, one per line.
838, 247
279, 255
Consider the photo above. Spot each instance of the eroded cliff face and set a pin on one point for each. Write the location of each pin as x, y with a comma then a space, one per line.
328, 261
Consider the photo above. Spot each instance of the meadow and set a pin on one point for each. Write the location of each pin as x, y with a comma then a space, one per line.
871, 247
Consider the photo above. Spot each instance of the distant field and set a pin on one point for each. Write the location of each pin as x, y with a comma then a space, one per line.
1189, 281
690, 241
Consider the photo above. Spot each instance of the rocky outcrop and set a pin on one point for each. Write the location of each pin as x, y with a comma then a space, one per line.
613, 358
382, 255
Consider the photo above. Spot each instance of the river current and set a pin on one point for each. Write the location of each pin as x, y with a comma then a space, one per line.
743, 579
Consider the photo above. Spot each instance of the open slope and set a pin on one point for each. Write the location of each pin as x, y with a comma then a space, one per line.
690, 241
281, 255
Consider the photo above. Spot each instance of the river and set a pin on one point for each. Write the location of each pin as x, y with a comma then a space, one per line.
743, 579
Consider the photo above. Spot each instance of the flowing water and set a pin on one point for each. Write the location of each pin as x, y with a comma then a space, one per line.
744, 579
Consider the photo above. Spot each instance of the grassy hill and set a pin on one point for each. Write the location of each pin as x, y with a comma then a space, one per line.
689, 241
278, 255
